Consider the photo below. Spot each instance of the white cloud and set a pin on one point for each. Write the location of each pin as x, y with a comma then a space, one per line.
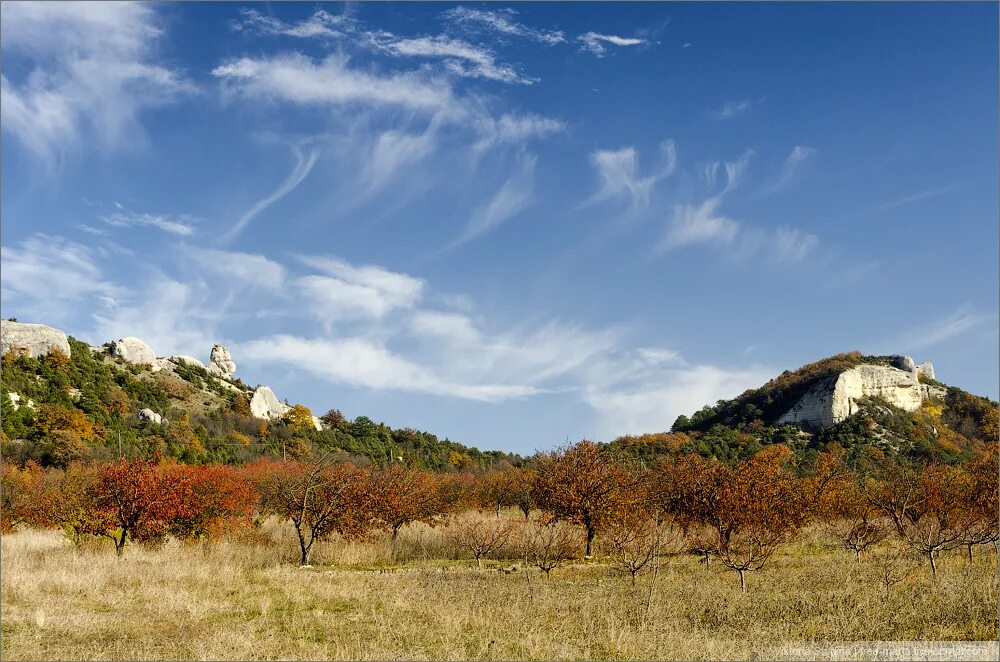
182, 225
92, 74
501, 21
791, 245
694, 224
514, 128
394, 150
734, 172
922, 195
732, 109
299, 79
321, 24
460, 57
796, 158
619, 172
596, 43
513, 197
361, 363
959, 322
348, 292
303, 166
655, 403
248, 268
45, 276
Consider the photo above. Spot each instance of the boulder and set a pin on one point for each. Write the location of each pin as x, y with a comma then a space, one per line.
265, 404
222, 364
134, 350
34, 339
318, 423
150, 415
926, 369
15, 400
186, 359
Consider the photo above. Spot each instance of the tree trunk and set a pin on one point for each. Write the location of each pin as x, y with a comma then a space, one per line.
305, 547
498, 510
120, 544
479, 561
590, 540
857, 555
933, 564
969, 547
743, 582
395, 530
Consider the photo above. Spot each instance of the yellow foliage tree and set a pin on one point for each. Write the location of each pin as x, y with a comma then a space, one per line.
299, 418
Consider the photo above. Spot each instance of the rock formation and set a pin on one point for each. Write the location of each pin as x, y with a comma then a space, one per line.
35, 339
832, 400
265, 404
926, 369
222, 364
150, 415
134, 350
186, 359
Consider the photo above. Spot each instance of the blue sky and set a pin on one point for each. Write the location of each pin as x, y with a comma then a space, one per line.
512, 225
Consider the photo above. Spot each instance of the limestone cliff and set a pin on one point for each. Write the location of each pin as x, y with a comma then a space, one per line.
833, 399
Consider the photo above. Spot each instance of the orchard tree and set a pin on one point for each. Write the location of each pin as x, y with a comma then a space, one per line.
398, 496
583, 485
319, 498
23, 497
548, 543
480, 535
141, 499
222, 499
758, 508
981, 517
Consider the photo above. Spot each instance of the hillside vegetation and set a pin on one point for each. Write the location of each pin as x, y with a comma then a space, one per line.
86, 407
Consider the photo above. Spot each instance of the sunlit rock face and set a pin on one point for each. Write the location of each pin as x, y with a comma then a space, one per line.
34, 339
833, 400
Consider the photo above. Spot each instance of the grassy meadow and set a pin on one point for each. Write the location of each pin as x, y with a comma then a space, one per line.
420, 596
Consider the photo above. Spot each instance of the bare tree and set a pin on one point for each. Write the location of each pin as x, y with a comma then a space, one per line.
480, 535
549, 543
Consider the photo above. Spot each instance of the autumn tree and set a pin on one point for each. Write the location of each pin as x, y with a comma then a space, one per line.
299, 418
23, 499
980, 523
141, 500
580, 484
757, 509
398, 496
496, 490
481, 536
75, 504
221, 499
636, 541
319, 498
851, 519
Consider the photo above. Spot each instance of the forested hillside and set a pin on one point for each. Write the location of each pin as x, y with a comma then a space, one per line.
86, 406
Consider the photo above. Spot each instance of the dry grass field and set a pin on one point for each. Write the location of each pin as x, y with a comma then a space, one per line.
419, 597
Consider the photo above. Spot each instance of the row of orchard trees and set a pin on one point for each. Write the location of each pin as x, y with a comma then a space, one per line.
738, 513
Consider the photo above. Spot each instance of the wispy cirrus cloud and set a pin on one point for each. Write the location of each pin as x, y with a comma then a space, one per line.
500, 21
304, 162
796, 159
321, 24
696, 224
732, 109
619, 173
510, 200
182, 225
299, 79
597, 44
460, 57
965, 319
91, 73
915, 197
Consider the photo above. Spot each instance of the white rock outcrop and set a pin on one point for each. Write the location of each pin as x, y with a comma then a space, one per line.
186, 359
265, 404
926, 369
833, 400
134, 350
15, 401
151, 416
222, 364
35, 339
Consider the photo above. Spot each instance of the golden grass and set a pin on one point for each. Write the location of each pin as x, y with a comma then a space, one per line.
417, 597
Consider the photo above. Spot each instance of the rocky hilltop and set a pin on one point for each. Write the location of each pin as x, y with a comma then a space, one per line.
65, 400
37, 340
831, 401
